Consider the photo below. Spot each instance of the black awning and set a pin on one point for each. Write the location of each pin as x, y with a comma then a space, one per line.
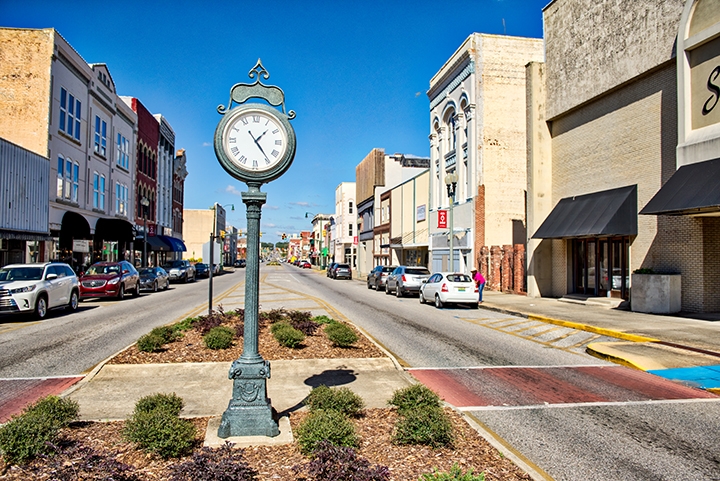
154, 243
110, 229
607, 213
692, 189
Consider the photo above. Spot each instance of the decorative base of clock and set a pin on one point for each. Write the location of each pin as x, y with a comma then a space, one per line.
249, 412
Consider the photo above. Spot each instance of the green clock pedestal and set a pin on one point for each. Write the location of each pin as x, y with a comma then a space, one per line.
249, 412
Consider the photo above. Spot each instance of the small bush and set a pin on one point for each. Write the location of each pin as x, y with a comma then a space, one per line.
30, 434
415, 396
329, 426
205, 323
455, 474
169, 403
274, 315
160, 432
323, 319
643, 270
186, 324
341, 463
150, 343
287, 335
167, 333
77, 461
220, 337
341, 399
340, 334
222, 464
428, 426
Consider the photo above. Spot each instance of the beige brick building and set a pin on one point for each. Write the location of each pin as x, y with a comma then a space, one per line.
605, 134
477, 132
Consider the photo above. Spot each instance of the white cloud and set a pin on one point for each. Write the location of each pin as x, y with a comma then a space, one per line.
270, 207
301, 204
231, 189
206, 144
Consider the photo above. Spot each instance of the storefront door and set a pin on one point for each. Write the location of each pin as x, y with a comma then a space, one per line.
600, 267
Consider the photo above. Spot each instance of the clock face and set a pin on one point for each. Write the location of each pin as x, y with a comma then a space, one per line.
255, 140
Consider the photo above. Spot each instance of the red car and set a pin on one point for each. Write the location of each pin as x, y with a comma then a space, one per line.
305, 265
110, 279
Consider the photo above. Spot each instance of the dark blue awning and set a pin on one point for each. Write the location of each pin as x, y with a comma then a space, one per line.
176, 244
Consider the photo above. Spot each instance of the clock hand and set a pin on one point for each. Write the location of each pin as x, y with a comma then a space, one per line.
258, 144
256, 140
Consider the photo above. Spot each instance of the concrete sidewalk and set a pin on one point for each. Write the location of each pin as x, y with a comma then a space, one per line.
676, 347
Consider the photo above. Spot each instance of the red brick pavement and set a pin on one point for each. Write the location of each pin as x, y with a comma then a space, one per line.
15, 394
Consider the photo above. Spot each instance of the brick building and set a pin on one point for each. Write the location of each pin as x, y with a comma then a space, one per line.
477, 133
613, 126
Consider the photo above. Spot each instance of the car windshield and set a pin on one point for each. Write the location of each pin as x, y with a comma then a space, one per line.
201, 266
343, 266
103, 269
172, 264
21, 274
147, 271
388, 269
458, 278
418, 271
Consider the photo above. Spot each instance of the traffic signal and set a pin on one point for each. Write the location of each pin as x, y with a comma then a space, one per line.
284, 236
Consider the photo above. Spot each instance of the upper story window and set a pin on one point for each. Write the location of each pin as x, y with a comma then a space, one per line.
100, 136
98, 191
68, 181
350, 207
121, 199
350, 229
123, 152
70, 114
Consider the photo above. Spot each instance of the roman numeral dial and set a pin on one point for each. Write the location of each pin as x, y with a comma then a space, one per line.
255, 140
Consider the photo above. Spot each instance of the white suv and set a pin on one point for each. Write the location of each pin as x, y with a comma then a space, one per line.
37, 288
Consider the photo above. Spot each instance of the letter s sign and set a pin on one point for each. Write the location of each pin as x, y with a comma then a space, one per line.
712, 86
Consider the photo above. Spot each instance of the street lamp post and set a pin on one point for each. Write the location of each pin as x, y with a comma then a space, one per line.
451, 184
145, 203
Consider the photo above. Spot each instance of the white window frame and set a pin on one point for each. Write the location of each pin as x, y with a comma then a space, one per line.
121, 199
70, 114
60, 177
123, 152
100, 136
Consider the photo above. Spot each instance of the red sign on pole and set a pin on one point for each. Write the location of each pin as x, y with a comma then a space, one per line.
355, 240
442, 219
151, 230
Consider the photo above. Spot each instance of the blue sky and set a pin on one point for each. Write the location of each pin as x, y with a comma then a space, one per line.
355, 72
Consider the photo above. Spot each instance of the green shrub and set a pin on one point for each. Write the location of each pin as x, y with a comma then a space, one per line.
220, 337
415, 396
287, 335
169, 403
167, 333
455, 474
160, 432
340, 334
338, 399
329, 426
150, 343
644, 270
426, 425
27, 435
186, 324
323, 319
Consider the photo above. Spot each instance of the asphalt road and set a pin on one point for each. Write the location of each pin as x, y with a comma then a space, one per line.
643, 439
67, 344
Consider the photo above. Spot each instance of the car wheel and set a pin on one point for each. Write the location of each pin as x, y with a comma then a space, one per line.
369, 285
155, 286
41, 307
474, 305
167, 284
438, 302
398, 291
421, 297
387, 290
73, 304
136, 291
121, 292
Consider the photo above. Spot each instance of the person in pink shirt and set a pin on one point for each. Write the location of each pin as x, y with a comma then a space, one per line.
479, 282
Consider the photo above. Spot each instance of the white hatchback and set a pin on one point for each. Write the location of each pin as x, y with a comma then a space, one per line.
37, 288
449, 287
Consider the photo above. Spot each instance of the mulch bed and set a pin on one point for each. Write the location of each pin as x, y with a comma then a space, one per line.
374, 428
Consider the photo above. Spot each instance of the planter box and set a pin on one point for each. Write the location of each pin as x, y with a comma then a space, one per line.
656, 293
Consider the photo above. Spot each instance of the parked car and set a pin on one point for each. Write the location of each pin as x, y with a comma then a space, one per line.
217, 269
154, 279
406, 280
449, 287
202, 270
110, 279
37, 288
181, 271
240, 263
342, 271
305, 265
330, 268
378, 277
